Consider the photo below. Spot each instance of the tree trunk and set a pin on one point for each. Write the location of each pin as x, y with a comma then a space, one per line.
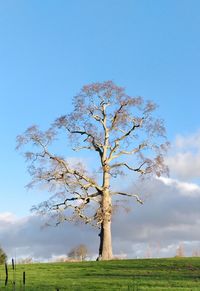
105, 248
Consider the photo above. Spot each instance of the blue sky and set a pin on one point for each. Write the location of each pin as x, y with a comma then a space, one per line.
50, 49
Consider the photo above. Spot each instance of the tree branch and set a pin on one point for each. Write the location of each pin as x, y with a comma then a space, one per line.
96, 117
135, 150
130, 168
131, 129
74, 172
129, 195
97, 146
126, 134
77, 209
118, 111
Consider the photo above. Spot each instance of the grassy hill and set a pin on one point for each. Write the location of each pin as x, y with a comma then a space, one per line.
142, 274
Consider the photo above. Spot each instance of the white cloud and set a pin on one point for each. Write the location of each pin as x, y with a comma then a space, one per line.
185, 165
191, 141
167, 218
184, 157
27, 237
186, 189
7, 217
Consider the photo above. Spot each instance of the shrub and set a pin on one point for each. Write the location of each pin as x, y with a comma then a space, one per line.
3, 256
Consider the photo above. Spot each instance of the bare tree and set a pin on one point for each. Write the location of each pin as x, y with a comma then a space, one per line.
79, 253
180, 252
148, 253
27, 260
196, 253
125, 136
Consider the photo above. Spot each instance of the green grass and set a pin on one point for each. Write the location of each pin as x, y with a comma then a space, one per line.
144, 274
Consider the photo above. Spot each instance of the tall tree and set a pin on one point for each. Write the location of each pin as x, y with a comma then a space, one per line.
125, 136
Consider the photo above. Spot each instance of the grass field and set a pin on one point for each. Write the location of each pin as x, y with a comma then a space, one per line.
143, 274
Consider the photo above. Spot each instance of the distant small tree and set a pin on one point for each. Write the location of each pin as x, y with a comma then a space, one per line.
3, 256
79, 253
180, 252
28, 260
148, 253
196, 253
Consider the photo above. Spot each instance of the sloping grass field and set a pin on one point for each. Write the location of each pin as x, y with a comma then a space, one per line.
138, 275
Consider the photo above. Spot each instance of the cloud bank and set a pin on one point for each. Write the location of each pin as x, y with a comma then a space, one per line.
169, 217
184, 160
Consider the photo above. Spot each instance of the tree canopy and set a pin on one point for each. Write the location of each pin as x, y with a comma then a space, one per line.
126, 137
